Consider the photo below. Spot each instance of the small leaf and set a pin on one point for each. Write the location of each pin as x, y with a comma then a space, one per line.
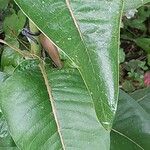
144, 43
128, 86
10, 57
13, 24
3, 4
121, 55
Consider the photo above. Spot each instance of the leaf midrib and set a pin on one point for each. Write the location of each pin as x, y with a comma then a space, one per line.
128, 138
44, 74
86, 50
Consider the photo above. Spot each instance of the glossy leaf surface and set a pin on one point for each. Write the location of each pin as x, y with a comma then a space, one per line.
39, 118
143, 98
132, 124
6, 142
88, 33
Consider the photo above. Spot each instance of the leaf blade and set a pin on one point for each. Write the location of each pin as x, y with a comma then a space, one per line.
134, 4
131, 126
73, 35
30, 117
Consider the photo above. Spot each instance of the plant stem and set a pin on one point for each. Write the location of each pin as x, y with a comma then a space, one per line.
35, 47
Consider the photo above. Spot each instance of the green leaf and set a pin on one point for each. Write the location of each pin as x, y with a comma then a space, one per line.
10, 57
121, 55
88, 33
137, 23
6, 142
2, 77
131, 126
144, 43
133, 4
128, 86
13, 24
142, 97
3, 4
51, 110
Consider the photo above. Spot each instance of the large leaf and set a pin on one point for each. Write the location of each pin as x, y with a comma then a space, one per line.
2, 77
143, 98
6, 142
131, 129
133, 4
87, 32
51, 114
